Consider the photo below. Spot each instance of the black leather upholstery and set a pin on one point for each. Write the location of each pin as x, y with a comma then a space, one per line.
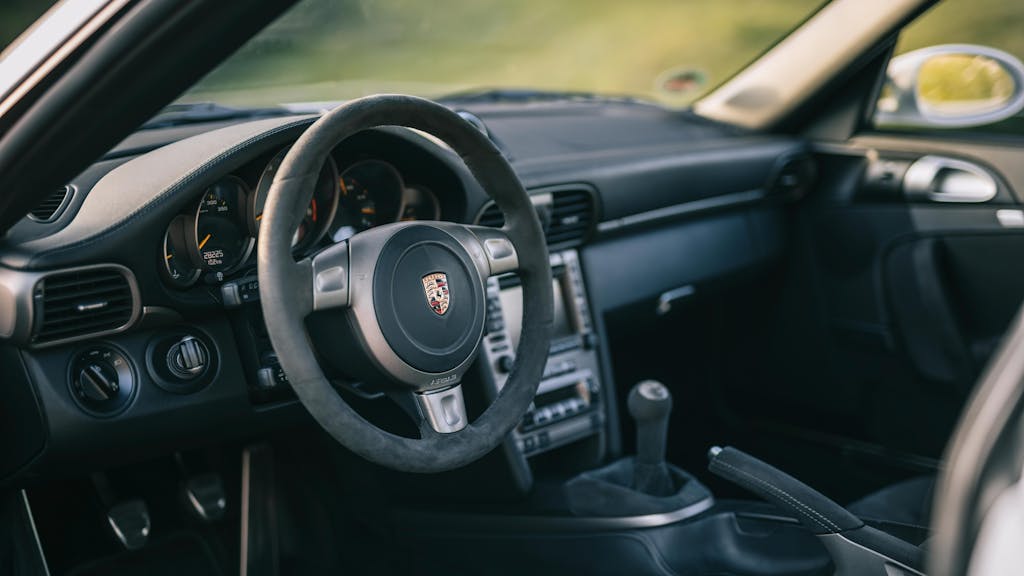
902, 509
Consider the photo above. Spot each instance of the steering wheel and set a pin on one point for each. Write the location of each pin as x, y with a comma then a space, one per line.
403, 305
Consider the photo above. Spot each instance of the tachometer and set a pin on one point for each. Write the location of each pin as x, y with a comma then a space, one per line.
319, 213
177, 267
221, 241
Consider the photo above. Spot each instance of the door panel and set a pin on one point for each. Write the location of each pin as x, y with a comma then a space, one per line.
890, 306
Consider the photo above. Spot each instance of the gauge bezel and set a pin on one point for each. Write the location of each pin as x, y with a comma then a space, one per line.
309, 240
399, 190
435, 202
179, 224
192, 237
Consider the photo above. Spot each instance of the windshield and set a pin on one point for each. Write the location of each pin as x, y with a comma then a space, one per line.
667, 51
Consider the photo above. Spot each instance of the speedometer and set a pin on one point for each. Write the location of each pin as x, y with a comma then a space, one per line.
221, 241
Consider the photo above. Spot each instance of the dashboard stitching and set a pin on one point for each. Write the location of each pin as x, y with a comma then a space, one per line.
172, 189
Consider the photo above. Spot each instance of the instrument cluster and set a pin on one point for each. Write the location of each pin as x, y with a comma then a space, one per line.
217, 236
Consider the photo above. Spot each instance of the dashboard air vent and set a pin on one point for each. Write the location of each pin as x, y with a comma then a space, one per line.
53, 205
794, 178
491, 216
85, 302
572, 216
567, 214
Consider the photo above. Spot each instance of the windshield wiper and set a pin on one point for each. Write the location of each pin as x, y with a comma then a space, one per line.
199, 112
502, 95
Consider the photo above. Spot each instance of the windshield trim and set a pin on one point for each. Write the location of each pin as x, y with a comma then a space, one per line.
799, 66
48, 42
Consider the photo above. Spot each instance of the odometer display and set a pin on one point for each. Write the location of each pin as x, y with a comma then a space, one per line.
222, 241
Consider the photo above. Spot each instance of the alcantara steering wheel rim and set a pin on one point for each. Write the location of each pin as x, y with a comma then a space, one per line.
355, 276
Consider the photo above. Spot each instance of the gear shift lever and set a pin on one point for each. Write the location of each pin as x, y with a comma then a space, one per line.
641, 484
650, 404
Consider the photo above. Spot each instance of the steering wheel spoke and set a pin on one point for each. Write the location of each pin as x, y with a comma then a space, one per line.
330, 278
441, 411
498, 249
491, 249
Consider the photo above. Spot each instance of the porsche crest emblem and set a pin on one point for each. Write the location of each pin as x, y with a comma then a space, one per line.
435, 288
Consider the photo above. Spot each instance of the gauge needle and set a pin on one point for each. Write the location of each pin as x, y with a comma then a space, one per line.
169, 256
259, 217
205, 240
368, 211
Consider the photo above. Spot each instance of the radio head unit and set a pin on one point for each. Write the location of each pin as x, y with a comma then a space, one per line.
567, 405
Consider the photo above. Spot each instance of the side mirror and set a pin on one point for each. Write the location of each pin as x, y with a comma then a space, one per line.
951, 86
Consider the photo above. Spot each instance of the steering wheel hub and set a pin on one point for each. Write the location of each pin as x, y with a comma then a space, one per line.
428, 299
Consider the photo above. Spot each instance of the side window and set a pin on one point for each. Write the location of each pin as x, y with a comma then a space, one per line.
958, 67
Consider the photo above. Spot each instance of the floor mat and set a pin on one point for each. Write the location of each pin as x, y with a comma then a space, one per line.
179, 553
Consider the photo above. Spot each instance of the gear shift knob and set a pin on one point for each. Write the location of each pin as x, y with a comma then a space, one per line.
650, 404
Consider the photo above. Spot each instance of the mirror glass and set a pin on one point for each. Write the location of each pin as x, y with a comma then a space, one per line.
959, 84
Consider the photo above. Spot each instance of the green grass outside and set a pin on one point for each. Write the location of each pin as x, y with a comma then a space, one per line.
338, 49
328, 50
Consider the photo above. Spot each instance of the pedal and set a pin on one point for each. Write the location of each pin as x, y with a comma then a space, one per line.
130, 522
205, 497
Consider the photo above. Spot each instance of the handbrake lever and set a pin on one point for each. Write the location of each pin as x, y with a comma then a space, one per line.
855, 548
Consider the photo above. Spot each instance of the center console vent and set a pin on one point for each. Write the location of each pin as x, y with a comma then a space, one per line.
53, 205
572, 216
84, 302
567, 213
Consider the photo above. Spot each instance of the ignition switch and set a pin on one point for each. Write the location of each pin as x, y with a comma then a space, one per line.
187, 358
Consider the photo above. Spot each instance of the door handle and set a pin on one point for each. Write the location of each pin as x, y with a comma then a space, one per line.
940, 179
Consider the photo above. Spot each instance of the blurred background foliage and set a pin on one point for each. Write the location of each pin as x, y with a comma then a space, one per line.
669, 51
337, 49
16, 15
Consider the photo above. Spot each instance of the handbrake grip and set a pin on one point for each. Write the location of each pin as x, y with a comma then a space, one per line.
815, 510
856, 549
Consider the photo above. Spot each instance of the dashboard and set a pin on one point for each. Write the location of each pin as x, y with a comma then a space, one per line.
143, 279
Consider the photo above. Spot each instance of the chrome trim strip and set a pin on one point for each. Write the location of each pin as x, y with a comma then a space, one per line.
558, 382
35, 532
548, 524
1010, 218
243, 566
684, 209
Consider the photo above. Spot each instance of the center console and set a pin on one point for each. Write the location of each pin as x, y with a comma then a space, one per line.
569, 398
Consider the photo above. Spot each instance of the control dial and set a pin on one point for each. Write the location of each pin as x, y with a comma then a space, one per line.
97, 381
101, 380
